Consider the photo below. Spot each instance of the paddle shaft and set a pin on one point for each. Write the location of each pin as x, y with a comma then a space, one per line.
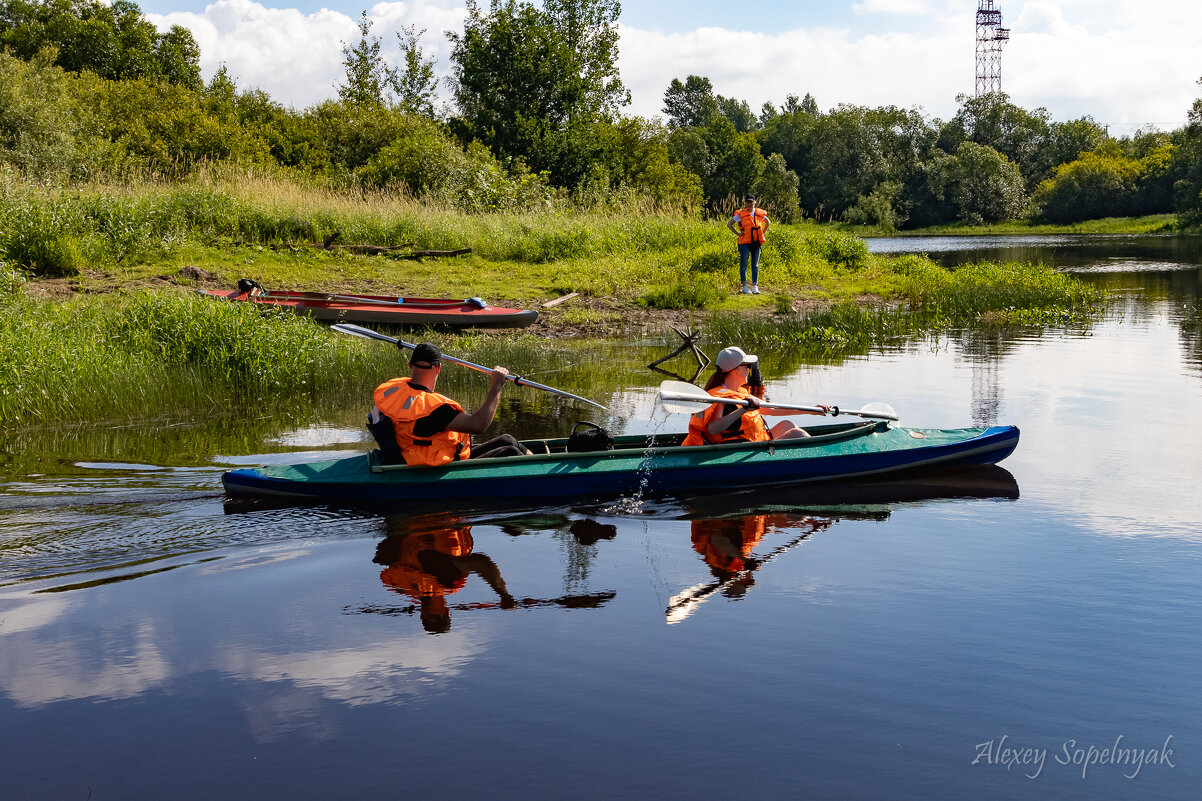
358, 330
707, 399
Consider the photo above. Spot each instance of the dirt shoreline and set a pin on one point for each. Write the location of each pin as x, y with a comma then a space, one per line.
577, 317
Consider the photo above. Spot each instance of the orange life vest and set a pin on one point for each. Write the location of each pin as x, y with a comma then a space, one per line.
406, 573
404, 405
751, 225
725, 543
749, 428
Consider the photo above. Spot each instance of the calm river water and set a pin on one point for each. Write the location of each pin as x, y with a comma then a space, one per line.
1027, 633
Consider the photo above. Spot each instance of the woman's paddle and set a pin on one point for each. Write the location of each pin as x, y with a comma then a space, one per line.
679, 397
360, 331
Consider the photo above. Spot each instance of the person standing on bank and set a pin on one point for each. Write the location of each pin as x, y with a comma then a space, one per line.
726, 422
415, 425
751, 226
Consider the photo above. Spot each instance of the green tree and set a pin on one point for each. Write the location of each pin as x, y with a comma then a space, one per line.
1087, 188
687, 147
589, 29
170, 129
637, 157
739, 114
366, 76
532, 84
414, 83
690, 104
1187, 168
44, 129
1021, 136
738, 165
112, 40
984, 185
845, 158
777, 189
1070, 139
788, 133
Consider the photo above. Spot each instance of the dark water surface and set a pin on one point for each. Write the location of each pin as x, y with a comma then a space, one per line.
991, 636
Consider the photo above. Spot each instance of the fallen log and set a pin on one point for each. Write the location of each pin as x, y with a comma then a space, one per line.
421, 254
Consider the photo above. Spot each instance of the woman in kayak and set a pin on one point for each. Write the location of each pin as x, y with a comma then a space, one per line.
727, 422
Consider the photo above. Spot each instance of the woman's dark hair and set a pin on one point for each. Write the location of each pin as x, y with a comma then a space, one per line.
716, 379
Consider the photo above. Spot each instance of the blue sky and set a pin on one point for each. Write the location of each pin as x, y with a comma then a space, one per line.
1125, 63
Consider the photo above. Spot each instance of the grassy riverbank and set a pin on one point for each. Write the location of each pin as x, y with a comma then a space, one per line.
97, 320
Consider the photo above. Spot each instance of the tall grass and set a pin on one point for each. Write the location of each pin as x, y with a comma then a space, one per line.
929, 299
95, 359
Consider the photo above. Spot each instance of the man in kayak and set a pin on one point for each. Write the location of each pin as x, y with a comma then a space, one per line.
726, 422
415, 425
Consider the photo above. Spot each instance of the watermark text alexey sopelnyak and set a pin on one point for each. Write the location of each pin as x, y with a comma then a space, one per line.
1031, 760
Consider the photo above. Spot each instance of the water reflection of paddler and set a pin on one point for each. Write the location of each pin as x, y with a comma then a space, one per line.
728, 544
432, 562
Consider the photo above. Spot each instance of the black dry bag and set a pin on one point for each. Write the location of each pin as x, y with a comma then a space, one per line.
592, 438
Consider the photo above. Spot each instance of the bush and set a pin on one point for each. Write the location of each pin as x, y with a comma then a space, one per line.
785, 246
712, 259
879, 207
12, 280
838, 249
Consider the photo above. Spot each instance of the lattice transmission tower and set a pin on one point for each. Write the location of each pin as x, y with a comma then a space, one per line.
991, 38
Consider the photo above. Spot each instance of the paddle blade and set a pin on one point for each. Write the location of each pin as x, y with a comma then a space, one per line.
360, 331
681, 397
681, 605
879, 411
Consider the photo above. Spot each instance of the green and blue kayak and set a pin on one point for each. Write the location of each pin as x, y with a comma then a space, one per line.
637, 463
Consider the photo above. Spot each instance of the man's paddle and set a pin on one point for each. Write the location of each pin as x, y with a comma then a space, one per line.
360, 331
679, 397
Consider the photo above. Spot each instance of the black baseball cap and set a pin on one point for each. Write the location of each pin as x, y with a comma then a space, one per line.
425, 355
749, 197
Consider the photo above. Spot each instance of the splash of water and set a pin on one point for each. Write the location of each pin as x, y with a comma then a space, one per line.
633, 504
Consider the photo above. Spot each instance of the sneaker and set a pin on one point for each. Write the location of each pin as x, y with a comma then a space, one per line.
755, 290
746, 289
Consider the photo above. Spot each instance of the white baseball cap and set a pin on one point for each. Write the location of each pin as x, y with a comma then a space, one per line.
730, 358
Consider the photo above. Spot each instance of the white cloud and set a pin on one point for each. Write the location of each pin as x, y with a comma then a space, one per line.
833, 65
1116, 61
891, 7
295, 57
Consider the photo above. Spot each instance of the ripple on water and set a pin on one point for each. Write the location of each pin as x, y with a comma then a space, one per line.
61, 526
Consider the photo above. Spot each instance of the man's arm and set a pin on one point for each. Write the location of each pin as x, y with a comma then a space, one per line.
731, 225
482, 418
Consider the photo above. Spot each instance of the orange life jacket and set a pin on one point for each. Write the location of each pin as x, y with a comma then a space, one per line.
404, 405
751, 225
406, 573
749, 428
725, 543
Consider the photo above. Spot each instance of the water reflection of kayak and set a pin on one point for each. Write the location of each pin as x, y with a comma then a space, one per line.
635, 465
864, 497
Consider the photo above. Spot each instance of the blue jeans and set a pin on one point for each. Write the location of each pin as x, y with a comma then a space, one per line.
751, 251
